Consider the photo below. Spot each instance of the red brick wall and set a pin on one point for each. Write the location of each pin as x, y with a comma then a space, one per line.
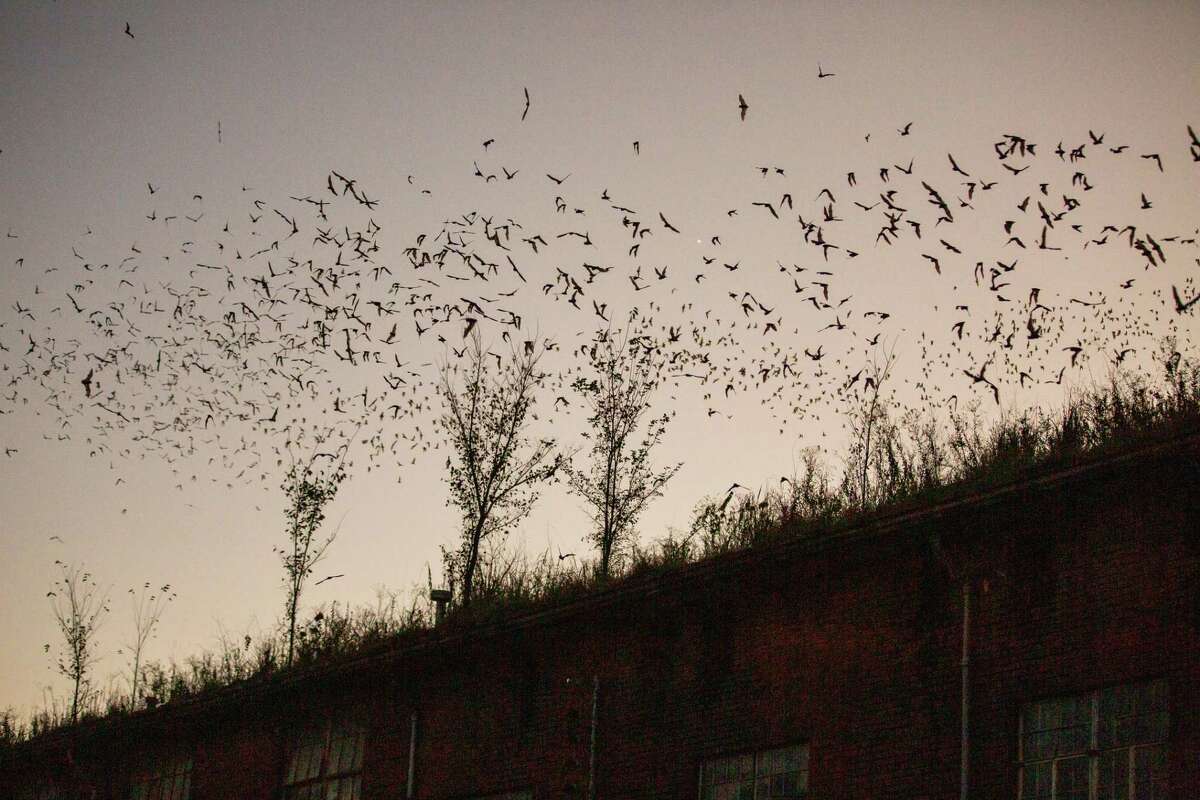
853, 649
1099, 587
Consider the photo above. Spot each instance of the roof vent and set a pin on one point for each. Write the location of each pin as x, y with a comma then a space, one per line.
440, 598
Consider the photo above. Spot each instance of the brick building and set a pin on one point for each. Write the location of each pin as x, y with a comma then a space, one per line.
1066, 602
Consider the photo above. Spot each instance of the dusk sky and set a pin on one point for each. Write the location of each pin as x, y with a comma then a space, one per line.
216, 106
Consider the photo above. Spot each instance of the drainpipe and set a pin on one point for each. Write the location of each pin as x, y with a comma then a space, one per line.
592, 745
965, 744
412, 755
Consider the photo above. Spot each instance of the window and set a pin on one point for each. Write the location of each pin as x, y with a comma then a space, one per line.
1104, 745
782, 772
325, 761
38, 791
162, 778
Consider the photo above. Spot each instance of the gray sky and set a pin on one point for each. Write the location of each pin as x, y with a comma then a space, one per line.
381, 92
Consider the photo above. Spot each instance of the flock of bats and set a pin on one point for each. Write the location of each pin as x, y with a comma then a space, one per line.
288, 324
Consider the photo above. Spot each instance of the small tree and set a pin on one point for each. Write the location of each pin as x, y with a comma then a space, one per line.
620, 481
495, 468
309, 487
79, 606
866, 420
148, 607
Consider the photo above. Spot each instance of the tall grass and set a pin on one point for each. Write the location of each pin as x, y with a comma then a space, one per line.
916, 456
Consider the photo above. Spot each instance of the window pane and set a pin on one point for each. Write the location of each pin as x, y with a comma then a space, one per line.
1133, 714
312, 760
1029, 718
1114, 775
783, 785
161, 777
1149, 773
1077, 710
304, 752
341, 789
1075, 739
305, 761
1057, 727
346, 755
358, 742
1071, 780
334, 757
1036, 781
785, 759
1033, 746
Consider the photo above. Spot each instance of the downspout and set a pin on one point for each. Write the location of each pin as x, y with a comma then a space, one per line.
412, 755
592, 745
965, 744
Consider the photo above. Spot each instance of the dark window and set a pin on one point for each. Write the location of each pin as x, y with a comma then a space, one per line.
325, 761
41, 790
782, 772
1105, 745
162, 777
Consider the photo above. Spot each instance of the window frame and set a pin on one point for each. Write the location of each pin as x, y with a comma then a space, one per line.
1094, 753
40, 789
153, 769
329, 725
805, 754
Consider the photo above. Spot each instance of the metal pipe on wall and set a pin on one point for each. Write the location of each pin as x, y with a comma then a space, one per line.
592, 744
965, 744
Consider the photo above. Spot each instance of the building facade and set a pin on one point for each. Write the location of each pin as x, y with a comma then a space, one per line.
1036, 640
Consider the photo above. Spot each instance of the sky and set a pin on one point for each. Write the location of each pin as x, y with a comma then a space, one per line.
217, 106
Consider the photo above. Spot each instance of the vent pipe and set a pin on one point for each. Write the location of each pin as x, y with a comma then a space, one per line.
441, 599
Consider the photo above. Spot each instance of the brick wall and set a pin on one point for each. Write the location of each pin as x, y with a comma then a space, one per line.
852, 647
